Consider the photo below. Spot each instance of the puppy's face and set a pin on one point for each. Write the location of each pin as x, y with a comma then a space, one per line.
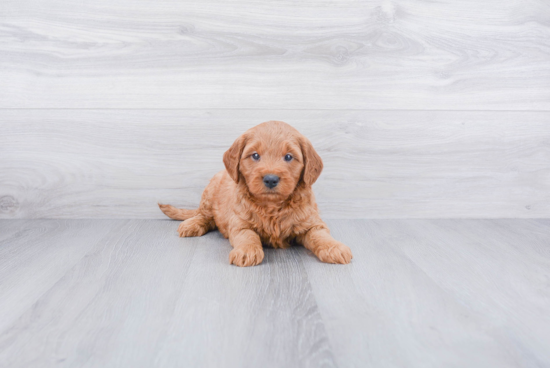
271, 159
271, 166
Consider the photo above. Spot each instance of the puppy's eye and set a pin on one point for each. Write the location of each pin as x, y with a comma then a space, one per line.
255, 156
288, 157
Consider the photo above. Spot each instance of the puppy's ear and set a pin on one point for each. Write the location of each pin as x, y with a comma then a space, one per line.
313, 165
232, 157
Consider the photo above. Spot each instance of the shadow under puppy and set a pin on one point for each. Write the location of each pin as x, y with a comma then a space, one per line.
264, 196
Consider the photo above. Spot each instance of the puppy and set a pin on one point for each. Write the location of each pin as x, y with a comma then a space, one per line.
264, 196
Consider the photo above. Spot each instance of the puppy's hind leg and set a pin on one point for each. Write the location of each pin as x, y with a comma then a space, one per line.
194, 222
196, 226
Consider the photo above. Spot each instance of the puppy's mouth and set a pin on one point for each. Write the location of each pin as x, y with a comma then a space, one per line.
271, 193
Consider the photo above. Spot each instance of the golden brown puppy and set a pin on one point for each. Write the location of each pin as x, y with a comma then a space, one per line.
264, 196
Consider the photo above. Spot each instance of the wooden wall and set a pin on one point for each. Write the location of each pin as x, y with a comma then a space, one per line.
418, 108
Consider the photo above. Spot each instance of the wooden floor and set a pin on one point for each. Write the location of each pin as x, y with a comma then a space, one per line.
418, 293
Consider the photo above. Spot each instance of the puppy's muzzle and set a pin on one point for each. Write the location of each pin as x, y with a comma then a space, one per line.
271, 181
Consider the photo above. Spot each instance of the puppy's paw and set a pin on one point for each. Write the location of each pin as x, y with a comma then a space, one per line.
334, 252
246, 255
190, 228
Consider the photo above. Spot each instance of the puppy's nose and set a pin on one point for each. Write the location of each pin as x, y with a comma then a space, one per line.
271, 181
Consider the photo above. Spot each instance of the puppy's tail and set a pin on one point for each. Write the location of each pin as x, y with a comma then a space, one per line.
177, 213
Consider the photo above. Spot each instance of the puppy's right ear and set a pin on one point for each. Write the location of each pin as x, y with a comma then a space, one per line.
232, 157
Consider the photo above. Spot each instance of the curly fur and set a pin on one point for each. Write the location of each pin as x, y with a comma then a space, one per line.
243, 209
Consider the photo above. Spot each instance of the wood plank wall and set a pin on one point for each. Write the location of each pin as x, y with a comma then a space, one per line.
418, 108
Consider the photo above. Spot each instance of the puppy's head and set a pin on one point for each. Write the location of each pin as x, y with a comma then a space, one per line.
272, 159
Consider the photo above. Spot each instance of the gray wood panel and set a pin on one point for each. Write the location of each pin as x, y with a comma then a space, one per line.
378, 164
310, 54
418, 293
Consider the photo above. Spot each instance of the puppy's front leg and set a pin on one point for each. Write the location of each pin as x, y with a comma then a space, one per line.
325, 247
247, 248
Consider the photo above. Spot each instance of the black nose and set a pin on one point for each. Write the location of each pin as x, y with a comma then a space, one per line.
271, 181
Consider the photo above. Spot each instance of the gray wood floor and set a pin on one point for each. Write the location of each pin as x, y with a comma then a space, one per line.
418, 293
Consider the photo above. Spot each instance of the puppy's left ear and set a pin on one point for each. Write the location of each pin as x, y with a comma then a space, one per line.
232, 157
313, 165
